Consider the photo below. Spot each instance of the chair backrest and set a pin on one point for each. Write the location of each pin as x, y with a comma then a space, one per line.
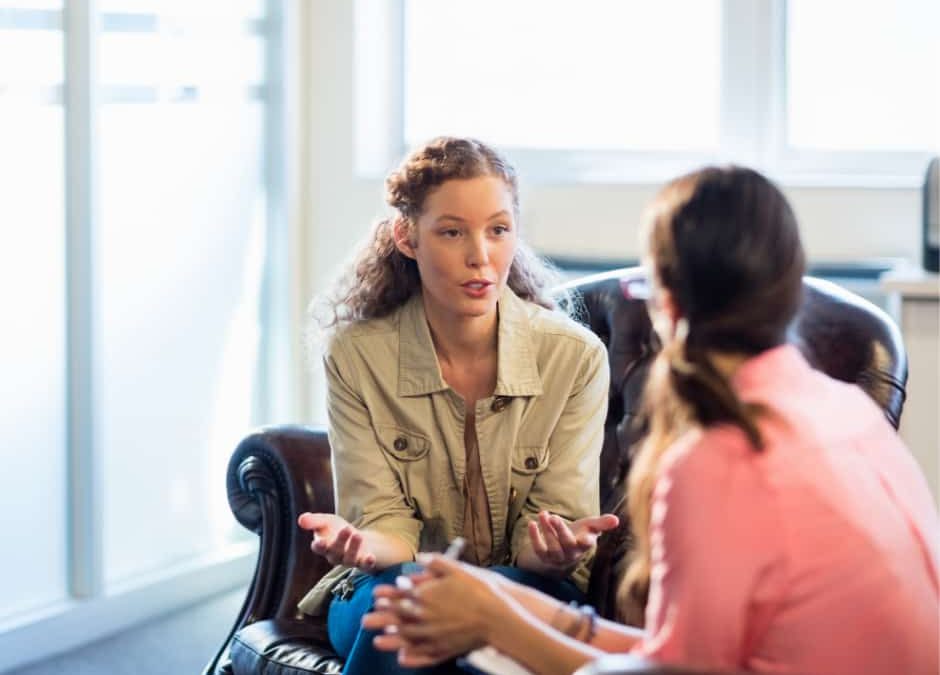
839, 332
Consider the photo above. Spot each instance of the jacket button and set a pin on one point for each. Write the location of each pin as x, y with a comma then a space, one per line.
531, 463
401, 443
499, 404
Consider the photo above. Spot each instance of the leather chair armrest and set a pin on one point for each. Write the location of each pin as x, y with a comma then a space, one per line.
279, 647
275, 474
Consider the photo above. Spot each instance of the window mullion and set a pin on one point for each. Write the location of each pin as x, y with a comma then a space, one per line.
85, 531
747, 81
274, 393
774, 144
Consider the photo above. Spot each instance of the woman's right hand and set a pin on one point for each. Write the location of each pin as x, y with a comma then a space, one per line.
558, 545
450, 610
338, 541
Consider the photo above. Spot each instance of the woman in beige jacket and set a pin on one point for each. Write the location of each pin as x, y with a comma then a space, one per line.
459, 403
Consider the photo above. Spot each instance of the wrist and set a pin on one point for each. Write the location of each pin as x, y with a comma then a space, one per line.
500, 623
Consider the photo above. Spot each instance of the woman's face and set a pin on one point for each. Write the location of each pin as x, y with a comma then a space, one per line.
464, 242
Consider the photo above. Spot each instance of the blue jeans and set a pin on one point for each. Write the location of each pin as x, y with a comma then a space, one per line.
354, 644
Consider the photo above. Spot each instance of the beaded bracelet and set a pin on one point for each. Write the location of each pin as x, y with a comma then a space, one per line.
572, 629
590, 614
575, 628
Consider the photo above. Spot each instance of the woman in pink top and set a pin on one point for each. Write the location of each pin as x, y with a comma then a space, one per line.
781, 525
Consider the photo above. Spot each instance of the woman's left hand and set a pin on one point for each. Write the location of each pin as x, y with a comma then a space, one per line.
559, 545
448, 613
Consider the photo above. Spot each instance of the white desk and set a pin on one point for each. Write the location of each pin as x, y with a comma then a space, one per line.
914, 301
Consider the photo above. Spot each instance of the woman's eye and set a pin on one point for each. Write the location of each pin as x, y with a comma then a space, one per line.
500, 229
451, 233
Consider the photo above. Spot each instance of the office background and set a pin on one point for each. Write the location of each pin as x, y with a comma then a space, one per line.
178, 179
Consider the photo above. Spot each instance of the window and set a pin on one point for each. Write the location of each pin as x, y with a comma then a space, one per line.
179, 261
524, 81
623, 90
874, 87
33, 420
142, 247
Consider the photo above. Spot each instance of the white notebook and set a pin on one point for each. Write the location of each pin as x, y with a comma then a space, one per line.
489, 660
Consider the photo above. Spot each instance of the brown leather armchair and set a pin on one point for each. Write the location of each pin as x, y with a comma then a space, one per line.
278, 472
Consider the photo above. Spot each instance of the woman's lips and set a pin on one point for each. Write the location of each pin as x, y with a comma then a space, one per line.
477, 288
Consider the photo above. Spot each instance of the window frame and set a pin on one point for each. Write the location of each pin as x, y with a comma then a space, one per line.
753, 86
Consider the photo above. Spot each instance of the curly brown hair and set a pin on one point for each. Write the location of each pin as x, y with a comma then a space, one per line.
380, 278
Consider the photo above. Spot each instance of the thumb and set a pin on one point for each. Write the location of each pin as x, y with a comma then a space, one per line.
438, 565
601, 523
311, 521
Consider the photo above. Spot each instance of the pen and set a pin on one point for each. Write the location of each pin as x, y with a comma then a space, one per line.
454, 549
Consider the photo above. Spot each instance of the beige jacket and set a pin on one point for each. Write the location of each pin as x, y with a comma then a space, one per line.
397, 438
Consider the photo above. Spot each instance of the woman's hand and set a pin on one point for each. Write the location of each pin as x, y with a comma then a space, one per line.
560, 546
449, 611
337, 541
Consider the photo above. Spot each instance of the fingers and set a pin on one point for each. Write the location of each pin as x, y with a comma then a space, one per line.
545, 542
311, 521
323, 545
344, 548
354, 553
589, 529
557, 543
389, 617
392, 606
350, 555
334, 549
409, 655
537, 540
418, 578
388, 643
563, 533
379, 620
557, 538
410, 658
388, 591
437, 565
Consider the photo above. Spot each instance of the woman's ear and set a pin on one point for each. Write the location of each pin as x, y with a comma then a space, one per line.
665, 314
668, 306
404, 241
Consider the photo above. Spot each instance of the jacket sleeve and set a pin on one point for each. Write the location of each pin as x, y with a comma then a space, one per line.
568, 486
368, 493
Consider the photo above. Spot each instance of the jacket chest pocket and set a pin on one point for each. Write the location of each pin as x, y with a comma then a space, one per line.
402, 445
527, 463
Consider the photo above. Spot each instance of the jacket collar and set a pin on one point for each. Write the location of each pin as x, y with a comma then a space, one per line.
517, 372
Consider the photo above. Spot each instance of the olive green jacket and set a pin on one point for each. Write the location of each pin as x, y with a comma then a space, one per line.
397, 437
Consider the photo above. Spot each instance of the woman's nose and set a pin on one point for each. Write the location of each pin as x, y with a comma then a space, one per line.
477, 253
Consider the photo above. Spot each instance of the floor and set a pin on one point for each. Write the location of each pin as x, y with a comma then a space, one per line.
177, 644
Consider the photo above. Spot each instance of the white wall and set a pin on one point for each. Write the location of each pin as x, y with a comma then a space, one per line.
838, 224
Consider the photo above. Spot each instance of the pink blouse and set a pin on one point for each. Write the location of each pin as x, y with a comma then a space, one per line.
817, 555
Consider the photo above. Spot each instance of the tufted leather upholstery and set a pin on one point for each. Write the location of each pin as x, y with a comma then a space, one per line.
279, 472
